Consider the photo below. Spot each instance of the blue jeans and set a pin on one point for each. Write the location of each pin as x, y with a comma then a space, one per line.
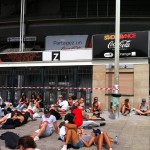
20, 106
79, 144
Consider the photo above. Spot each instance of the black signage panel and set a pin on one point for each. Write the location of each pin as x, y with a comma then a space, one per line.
21, 57
56, 56
132, 44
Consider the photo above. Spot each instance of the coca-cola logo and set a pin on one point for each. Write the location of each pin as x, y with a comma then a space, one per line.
124, 44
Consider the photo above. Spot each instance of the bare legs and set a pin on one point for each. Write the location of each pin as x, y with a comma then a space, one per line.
103, 138
124, 110
143, 113
71, 135
3, 120
41, 131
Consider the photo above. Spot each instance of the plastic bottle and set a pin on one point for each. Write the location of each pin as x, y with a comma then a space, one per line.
0, 111
116, 140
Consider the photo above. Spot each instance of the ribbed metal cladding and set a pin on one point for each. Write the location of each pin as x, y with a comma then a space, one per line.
48, 81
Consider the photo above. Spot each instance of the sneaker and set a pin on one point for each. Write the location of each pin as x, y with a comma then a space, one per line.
102, 119
64, 147
90, 126
102, 124
36, 138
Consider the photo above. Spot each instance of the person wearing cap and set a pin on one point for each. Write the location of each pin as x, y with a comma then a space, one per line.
143, 108
47, 126
80, 139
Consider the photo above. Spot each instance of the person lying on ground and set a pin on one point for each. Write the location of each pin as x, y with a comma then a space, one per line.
15, 119
79, 138
125, 107
6, 117
143, 108
21, 118
47, 126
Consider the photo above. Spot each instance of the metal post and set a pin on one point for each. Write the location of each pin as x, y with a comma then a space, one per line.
22, 30
20, 46
117, 41
115, 96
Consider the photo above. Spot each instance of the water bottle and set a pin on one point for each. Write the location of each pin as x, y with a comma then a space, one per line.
116, 140
0, 111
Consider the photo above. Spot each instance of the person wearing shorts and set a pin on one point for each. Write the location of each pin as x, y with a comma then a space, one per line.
47, 126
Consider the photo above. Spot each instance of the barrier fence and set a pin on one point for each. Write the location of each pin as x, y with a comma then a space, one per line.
59, 88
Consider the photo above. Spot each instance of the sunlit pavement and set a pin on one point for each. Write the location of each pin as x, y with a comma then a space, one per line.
133, 133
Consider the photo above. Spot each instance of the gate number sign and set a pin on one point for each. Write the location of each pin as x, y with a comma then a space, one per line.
55, 56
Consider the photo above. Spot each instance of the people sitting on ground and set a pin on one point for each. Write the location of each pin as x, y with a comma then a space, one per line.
23, 102
99, 103
125, 107
40, 100
34, 105
59, 99
47, 126
33, 98
143, 108
62, 107
75, 105
27, 143
81, 101
71, 100
78, 138
96, 109
82, 119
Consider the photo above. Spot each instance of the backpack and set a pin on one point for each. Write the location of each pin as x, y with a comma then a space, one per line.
9, 124
10, 142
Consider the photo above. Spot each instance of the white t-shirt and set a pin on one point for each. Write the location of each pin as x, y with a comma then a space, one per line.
50, 120
64, 105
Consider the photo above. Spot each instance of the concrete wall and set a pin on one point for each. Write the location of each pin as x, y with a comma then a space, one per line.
140, 85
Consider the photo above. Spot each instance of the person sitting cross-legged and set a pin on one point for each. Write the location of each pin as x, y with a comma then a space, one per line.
125, 107
47, 126
143, 108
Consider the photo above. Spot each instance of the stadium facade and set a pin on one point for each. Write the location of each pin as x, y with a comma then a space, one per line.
58, 56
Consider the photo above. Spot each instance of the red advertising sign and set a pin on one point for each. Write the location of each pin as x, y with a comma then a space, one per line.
21, 57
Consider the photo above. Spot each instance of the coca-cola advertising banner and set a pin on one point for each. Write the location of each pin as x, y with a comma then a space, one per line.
132, 44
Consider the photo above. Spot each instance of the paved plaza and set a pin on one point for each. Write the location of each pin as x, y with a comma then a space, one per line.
133, 132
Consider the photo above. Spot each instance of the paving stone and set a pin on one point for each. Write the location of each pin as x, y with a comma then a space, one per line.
133, 132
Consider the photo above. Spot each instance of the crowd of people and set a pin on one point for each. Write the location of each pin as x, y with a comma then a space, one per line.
76, 119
